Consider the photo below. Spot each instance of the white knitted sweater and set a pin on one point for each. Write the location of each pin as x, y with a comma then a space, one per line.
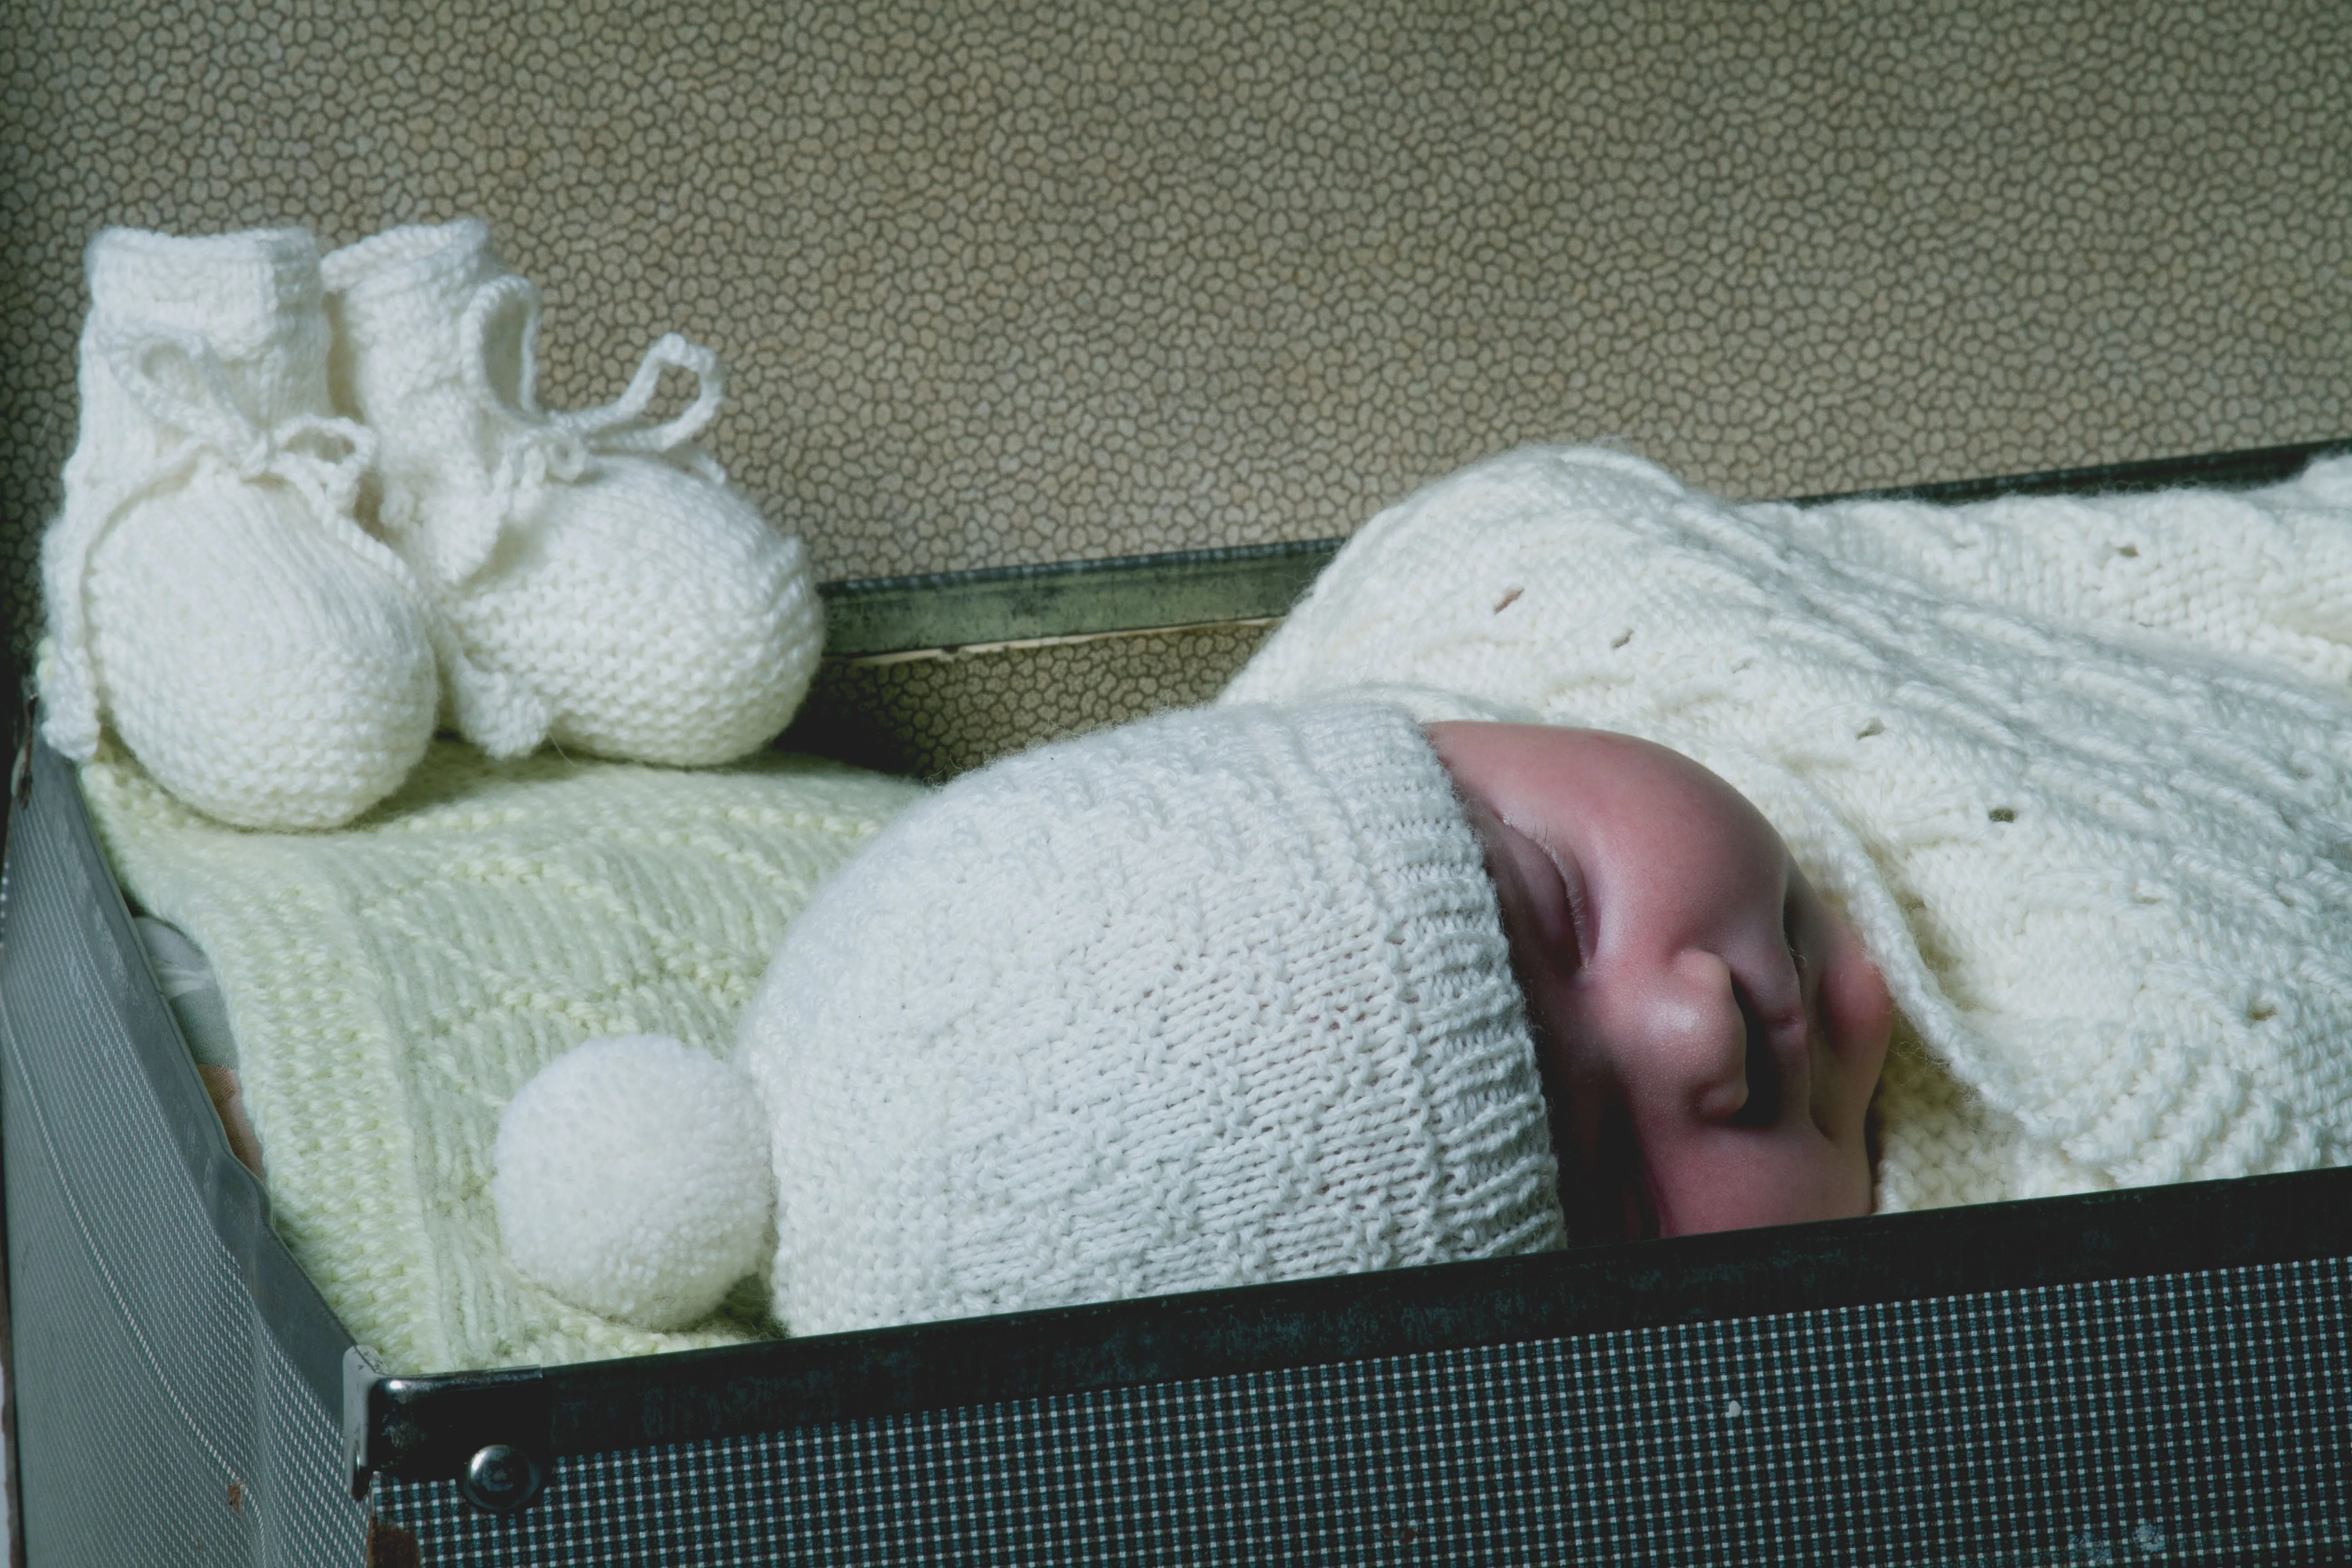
2079, 770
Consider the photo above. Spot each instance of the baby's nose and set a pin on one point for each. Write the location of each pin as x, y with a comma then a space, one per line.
1698, 1038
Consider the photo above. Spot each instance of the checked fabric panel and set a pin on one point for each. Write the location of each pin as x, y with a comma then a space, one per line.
2196, 1418
159, 1420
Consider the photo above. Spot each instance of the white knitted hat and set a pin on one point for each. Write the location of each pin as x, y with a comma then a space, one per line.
1218, 998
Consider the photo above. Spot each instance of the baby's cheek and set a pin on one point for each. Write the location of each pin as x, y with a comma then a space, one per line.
1862, 1012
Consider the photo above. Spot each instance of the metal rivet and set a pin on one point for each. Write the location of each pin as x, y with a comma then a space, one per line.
500, 1479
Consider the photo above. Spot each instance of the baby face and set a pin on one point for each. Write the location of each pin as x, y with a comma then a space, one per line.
1710, 1031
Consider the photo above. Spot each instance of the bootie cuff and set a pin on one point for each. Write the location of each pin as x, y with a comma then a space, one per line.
237, 289
438, 260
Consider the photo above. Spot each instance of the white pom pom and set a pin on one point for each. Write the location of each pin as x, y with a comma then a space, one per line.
632, 1180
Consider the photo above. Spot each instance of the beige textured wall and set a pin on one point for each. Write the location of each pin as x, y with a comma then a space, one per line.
1009, 283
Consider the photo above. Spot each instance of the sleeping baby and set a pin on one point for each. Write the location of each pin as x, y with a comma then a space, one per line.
1584, 860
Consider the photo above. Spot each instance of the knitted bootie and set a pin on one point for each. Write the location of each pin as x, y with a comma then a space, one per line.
600, 559
209, 596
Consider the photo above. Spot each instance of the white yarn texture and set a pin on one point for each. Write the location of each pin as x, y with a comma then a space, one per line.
392, 984
631, 1178
209, 596
1213, 999
609, 591
2076, 769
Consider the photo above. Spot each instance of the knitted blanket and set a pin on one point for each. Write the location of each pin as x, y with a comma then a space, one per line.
2079, 770
391, 984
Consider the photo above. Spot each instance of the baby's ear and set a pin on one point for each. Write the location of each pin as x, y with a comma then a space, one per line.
632, 1179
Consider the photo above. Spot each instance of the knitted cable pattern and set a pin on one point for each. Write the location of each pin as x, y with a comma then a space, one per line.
2065, 765
391, 985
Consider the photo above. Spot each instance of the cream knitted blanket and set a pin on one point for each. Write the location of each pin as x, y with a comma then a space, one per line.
391, 985
2080, 772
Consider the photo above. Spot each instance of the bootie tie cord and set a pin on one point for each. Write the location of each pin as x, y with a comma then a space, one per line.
297, 452
547, 447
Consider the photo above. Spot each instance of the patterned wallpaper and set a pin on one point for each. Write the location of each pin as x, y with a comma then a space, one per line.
1008, 282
